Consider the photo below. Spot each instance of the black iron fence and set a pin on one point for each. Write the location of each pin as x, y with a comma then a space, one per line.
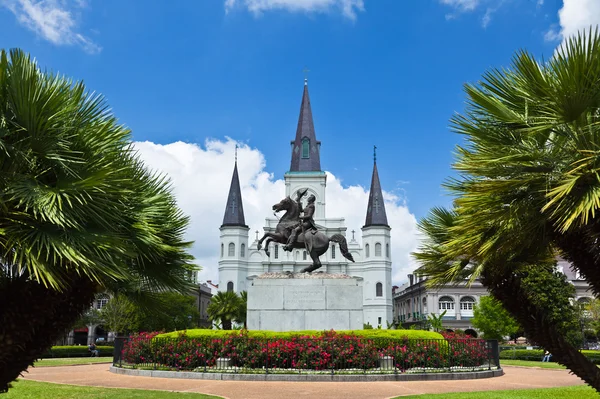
335, 355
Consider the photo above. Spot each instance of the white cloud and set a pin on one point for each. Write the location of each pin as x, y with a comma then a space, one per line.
349, 8
53, 20
462, 5
574, 16
201, 176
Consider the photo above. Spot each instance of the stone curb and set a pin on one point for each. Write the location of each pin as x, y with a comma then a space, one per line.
192, 375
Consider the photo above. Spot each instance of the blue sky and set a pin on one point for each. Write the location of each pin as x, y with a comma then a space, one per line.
382, 72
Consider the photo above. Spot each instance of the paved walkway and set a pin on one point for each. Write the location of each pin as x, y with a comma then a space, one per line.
98, 375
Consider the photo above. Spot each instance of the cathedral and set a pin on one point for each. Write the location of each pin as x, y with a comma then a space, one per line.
240, 257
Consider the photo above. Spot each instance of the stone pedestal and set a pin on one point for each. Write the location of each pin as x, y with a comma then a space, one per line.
294, 302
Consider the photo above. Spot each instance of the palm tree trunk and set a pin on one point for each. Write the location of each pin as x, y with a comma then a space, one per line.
532, 318
226, 324
581, 249
33, 319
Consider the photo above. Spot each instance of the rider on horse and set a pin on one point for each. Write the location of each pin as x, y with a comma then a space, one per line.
306, 223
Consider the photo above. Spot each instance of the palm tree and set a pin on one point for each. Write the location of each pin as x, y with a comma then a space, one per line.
241, 316
528, 188
79, 213
224, 307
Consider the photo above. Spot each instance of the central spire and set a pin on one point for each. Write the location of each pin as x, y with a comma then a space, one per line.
376, 215
305, 147
234, 211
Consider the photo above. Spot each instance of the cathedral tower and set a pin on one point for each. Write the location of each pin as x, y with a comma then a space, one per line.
377, 265
233, 264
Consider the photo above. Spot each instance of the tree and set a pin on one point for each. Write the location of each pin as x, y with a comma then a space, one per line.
79, 212
241, 317
173, 312
120, 315
493, 320
224, 307
437, 322
528, 188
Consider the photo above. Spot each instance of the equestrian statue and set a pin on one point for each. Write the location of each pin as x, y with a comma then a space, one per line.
297, 230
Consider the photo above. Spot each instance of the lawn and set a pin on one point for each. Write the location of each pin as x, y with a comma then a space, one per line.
36, 390
71, 361
531, 363
578, 392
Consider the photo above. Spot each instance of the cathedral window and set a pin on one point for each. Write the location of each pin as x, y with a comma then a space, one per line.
446, 303
222, 250
230, 286
305, 148
276, 251
304, 255
467, 303
231, 250
101, 301
387, 250
378, 289
377, 249
333, 252
366, 250
243, 250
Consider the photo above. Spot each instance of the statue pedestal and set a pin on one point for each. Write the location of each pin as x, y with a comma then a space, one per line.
294, 302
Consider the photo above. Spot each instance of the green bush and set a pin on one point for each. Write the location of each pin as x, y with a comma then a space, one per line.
76, 351
538, 354
371, 334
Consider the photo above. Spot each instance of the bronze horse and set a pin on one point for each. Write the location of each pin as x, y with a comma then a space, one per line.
316, 243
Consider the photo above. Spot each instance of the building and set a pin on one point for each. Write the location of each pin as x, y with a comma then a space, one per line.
240, 257
203, 296
414, 301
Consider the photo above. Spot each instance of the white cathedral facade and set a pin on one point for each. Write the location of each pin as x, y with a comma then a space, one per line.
241, 259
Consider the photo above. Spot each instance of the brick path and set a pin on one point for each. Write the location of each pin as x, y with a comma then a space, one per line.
98, 375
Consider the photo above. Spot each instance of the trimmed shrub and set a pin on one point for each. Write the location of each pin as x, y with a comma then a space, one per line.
76, 351
538, 354
369, 334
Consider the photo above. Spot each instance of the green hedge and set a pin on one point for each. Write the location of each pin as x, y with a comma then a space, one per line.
538, 354
76, 351
371, 334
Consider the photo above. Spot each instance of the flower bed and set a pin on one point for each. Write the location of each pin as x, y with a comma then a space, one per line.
325, 351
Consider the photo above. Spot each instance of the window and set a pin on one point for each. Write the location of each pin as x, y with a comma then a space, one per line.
446, 303
377, 249
222, 250
231, 251
305, 148
101, 301
466, 303
230, 286
387, 250
366, 250
243, 250
276, 251
378, 289
333, 252
304, 255
379, 320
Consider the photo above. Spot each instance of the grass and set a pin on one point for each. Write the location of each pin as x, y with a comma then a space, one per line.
577, 392
71, 361
23, 389
531, 363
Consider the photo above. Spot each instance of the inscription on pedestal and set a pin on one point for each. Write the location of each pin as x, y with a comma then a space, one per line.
304, 297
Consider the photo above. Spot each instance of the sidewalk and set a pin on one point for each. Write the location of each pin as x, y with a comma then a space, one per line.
98, 375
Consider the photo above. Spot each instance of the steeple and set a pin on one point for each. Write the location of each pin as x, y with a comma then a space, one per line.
305, 147
234, 212
376, 209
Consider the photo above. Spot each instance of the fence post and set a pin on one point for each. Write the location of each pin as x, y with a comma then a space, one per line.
117, 350
267, 357
495, 352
